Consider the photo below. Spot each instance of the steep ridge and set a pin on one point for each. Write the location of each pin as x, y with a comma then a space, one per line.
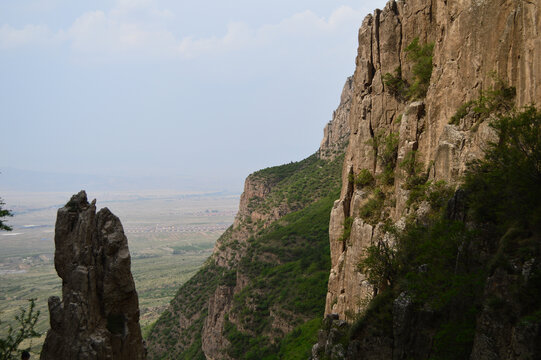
268, 272
98, 316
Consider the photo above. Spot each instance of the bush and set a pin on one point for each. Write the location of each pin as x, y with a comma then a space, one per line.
364, 178
396, 85
495, 101
25, 324
504, 186
379, 265
415, 176
348, 223
371, 211
421, 58
386, 151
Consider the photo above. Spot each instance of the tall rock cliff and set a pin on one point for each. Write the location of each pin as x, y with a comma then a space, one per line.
477, 44
268, 271
98, 315
416, 277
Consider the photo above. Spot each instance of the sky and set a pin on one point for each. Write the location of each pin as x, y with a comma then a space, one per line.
202, 90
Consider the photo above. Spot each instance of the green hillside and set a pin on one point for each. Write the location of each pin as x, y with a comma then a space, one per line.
284, 263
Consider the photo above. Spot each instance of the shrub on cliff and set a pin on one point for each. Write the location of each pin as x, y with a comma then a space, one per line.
420, 56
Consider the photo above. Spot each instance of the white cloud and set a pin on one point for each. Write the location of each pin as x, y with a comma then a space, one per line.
30, 35
301, 25
113, 36
237, 36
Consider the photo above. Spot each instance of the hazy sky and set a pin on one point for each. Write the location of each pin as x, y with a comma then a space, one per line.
160, 88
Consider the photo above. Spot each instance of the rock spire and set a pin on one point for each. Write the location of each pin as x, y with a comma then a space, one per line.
98, 316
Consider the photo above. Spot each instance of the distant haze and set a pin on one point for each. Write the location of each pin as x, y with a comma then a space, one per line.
198, 93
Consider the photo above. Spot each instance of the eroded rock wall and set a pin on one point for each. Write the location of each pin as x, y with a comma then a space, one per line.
98, 315
475, 42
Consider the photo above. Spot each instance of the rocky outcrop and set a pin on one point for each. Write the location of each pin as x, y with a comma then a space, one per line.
475, 42
336, 132
98, 315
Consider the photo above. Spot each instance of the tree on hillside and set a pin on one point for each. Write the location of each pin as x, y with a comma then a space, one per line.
25, 321
4, 213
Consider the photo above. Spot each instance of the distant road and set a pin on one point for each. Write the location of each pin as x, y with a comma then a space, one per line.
176, 228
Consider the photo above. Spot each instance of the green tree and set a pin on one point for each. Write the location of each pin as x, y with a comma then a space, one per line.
25, 323
4, 213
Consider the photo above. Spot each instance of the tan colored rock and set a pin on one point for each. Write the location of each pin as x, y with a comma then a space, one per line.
336, 132
98, 316
474, 39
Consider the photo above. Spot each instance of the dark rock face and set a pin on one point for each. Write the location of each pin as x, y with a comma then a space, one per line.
98, 316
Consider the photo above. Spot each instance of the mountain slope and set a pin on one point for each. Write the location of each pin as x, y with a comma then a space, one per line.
268, 273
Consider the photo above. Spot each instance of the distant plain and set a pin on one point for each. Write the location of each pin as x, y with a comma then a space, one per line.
170, 235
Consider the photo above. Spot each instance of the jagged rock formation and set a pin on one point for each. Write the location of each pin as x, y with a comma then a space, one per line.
478, 46
473, 40
336, 132
98, 316
222, 305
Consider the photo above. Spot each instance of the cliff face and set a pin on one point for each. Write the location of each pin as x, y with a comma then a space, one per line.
98, 316
475, 42
336, 132
239, 302
405, 144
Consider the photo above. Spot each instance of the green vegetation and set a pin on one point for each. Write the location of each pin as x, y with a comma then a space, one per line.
348, 223
420, 188
495, 101
396, 85
297, 184
25, 323
386, 150
4, 213
165, 334
297, 345
364, 178
284, 264
420, 56
371, 210
299, 248
442, 264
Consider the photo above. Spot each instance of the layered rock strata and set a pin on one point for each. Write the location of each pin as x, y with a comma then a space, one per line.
98, 315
